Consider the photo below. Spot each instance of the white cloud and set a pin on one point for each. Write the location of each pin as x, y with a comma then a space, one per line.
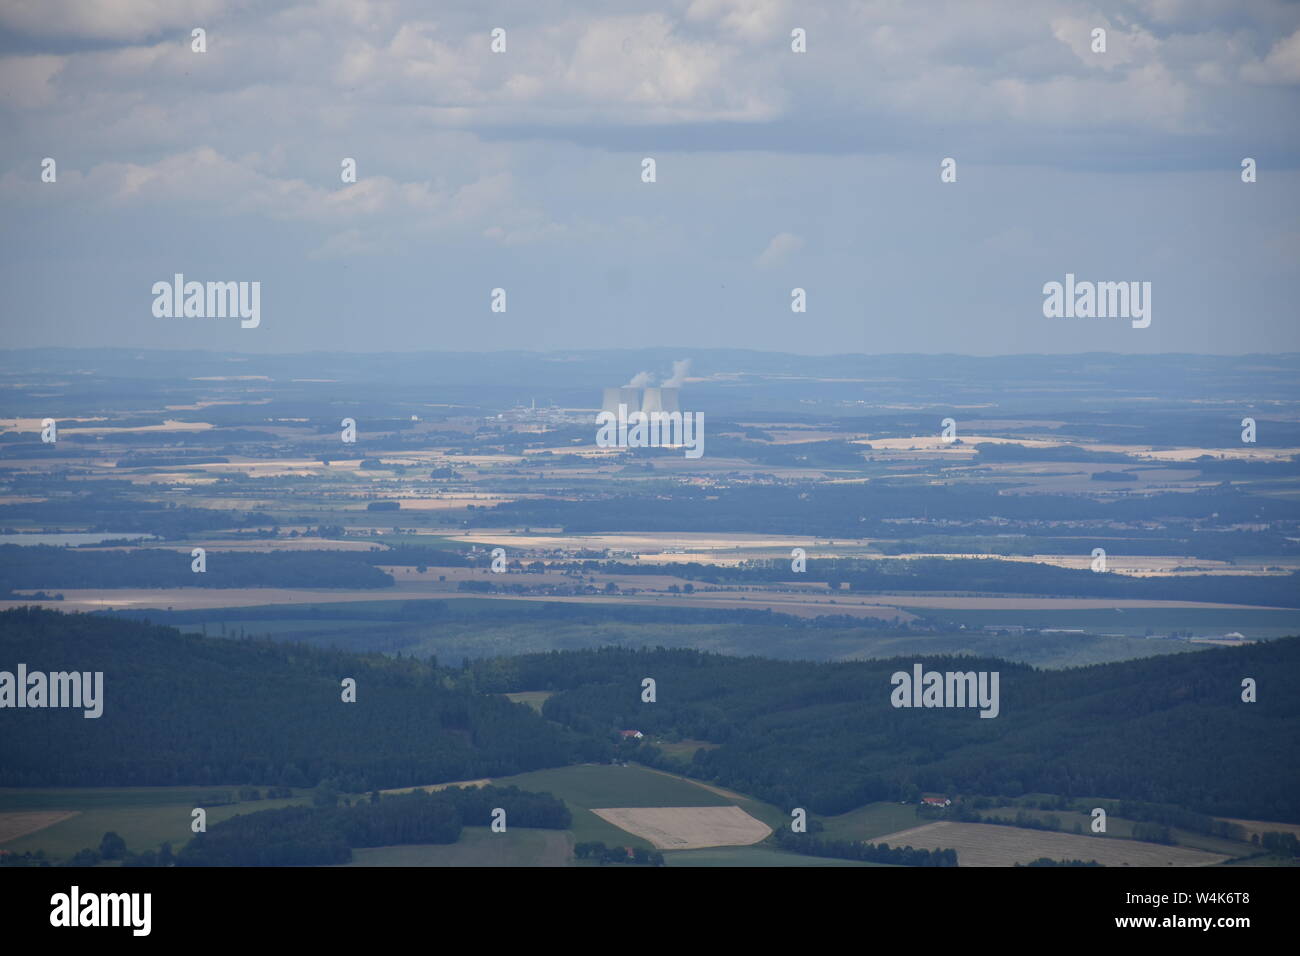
109, 19
1281, 66
779, 249
26, 82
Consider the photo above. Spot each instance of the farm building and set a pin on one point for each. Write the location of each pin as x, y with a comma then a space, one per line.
936, 801
631, 734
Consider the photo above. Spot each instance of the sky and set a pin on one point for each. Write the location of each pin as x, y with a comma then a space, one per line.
775, 170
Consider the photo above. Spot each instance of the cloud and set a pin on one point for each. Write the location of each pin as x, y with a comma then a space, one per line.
1281, 66
26, 82
782, 246
109, 19
203, 178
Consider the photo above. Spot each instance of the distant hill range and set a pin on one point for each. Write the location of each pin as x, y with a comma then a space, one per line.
183, 709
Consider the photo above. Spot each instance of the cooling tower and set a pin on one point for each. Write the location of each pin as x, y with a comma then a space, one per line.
613, 397
661, 400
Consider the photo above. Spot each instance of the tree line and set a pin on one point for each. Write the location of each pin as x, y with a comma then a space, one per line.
319, 836
810, 845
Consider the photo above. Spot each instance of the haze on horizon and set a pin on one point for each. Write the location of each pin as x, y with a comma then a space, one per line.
522, 170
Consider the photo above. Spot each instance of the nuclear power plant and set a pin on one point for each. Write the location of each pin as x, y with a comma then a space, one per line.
663, 399
652, 399
631, 397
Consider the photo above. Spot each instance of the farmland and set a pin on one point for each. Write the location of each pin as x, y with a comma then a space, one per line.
477, 847
829, 523
982, 844
687, 828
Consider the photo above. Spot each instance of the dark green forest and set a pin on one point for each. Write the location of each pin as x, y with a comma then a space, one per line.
1164, 730
862, 510
49, 567
181, 709
989, 575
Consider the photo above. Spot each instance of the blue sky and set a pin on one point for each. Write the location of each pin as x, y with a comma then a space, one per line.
522, 170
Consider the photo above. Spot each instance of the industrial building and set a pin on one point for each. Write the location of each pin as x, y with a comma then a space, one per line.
651, 399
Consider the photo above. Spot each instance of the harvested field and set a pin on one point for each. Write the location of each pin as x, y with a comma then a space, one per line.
257, 545
975, 602
416, 587
1264, 826
533, 698
688, 828
22, 822
433, 787
650, 543
985, 844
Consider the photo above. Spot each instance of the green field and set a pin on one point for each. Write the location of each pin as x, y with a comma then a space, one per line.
1134, 621
605, 785
365, 627
593, 786
873, 820
484, 627
533, 698
145, 817
880, 819
683, 750
478, 846
751, 856
600, 786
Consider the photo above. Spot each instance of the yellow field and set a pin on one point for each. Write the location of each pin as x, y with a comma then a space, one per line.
936, 443
414, 587
1140, 566
1039, 603
533, 698
649, 544
22, 822
446, 502
34, 425
986, 844
434, 787
688, 828
1265, 826
261, 544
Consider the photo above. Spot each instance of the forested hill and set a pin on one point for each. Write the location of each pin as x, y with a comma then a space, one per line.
54, 568
181, 709
1168, 730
